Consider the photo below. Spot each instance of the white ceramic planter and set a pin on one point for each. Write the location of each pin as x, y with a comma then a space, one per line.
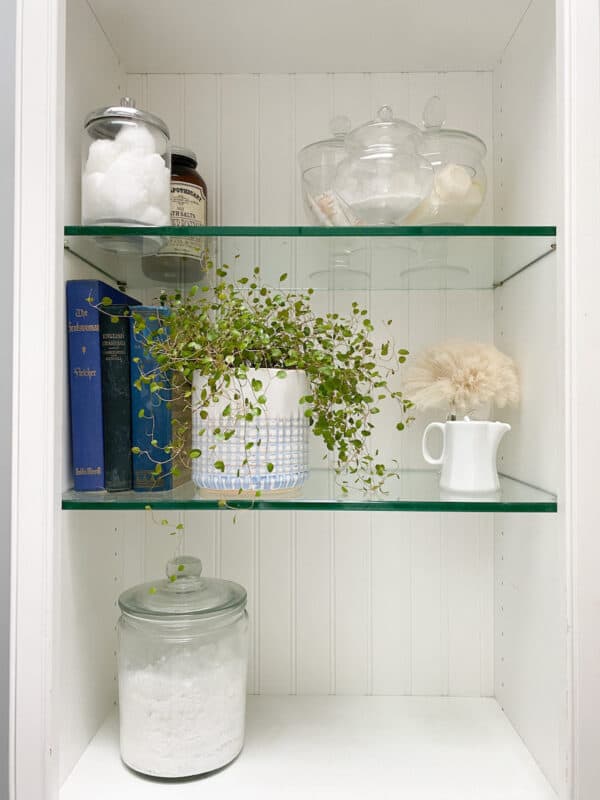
282, 431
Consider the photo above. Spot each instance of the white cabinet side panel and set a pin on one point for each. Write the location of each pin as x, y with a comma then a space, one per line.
530, 554
530, 634
93, 565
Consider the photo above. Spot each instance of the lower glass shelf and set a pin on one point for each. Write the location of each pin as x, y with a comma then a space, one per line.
415, 490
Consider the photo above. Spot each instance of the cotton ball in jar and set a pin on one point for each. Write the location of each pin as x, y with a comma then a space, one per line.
101, 155
152, 215
128, 193
92, 191
135, 138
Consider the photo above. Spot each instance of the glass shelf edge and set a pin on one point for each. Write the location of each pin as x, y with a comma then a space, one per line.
296, 231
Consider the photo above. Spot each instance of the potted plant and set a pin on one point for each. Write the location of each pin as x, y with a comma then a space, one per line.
258, 369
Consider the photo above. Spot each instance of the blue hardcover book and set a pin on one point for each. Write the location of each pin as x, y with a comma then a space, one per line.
154, 424
85, 379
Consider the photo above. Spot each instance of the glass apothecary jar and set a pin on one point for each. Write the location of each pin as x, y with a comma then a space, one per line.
183, 656
126, 167
459, 181
318, 164
383, 176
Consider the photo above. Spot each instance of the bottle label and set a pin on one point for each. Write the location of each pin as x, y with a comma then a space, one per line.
188, 207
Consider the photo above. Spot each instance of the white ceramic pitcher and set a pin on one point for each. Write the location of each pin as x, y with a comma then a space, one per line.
468, 457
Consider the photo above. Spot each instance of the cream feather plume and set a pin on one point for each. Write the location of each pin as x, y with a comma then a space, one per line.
461, 376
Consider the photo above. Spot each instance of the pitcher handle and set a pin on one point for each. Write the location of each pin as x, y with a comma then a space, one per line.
426, 454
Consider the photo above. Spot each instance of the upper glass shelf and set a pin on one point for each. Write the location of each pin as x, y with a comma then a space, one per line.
415, 490
362, 258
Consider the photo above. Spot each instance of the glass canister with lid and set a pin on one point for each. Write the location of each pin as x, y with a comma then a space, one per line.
383, 176
126, 174
318, 164
459, 183
183, 657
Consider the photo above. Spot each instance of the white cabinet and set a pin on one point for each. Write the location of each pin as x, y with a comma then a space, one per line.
414, 650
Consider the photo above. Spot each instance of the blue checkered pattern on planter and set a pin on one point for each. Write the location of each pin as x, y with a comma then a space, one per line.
283, 443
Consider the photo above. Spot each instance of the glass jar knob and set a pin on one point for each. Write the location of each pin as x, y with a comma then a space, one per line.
434, 113
385, 114
184, 573
340, 126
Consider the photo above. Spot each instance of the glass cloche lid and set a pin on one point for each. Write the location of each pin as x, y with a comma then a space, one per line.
435, 138
183, 594
327, 149
385, 133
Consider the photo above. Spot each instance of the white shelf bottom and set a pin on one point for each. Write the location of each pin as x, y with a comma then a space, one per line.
413, 748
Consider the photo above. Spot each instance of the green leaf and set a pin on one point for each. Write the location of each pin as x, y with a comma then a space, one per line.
283, 277
152, 590
106, 301
195, 453
256, 385
281, 374
181, 567
220, 466
270, 467
136, 451
141, 413
227, 411
400, 426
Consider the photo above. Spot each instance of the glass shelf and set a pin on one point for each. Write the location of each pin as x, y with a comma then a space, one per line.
358, 259
416, 490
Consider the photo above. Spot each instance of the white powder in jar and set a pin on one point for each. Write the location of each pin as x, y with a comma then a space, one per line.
183, 714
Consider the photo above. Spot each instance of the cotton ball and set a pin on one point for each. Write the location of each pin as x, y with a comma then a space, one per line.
452, 182
92, 187
154, 216
101, 154
128, 196
135, 137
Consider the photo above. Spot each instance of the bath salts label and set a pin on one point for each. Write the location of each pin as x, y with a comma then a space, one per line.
188, 207
188, 204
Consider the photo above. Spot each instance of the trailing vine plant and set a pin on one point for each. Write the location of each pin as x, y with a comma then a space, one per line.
236, 325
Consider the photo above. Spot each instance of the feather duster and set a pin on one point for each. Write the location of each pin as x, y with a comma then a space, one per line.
462, 376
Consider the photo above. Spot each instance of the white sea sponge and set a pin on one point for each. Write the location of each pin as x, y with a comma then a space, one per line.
461, 376
452, 182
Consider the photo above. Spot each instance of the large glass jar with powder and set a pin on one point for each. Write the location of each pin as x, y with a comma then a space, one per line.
125, 178
183, 656
383, 176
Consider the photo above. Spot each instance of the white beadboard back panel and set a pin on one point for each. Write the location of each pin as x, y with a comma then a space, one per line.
339, 603
530, 560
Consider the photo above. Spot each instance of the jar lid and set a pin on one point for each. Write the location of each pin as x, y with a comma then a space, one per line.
436, 139
126, 110
183, 594
339, 127
183, 153
384, 134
